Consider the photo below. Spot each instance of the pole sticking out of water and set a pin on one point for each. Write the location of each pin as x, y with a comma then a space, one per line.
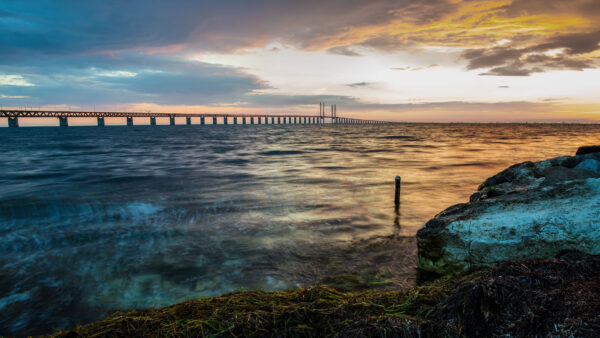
397, 199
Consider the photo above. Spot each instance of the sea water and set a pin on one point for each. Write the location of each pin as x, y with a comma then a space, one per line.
96, 220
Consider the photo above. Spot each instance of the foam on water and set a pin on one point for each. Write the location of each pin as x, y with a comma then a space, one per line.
95, 220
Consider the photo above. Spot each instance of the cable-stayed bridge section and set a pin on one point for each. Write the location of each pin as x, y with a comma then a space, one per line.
13, 116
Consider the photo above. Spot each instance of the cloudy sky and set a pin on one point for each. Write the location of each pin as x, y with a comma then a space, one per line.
401, 60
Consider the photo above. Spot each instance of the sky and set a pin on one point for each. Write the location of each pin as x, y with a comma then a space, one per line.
401, 60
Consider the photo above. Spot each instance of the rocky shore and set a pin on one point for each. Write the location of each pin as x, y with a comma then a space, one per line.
521, 258
528, 210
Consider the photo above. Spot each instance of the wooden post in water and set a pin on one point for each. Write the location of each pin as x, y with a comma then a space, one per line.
397, 199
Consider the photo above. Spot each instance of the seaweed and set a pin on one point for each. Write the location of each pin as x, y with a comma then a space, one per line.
312, 311
531, 297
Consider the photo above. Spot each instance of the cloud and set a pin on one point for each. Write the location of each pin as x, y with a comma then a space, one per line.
572, 43
359, 84
564, 52
62, 28
343, 50
587, 8
415, 68
14, 80
504, 87
511, 71
139, 51
133, 78
2, 96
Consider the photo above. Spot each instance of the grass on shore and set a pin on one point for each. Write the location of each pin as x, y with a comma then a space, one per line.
313, 311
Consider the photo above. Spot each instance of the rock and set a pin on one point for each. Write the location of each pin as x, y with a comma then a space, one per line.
588, 150
590, 164
524, 298
528, 210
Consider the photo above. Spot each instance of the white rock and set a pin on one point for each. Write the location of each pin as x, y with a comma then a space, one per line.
539, 221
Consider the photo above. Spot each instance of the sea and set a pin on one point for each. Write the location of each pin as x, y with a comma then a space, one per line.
95, 220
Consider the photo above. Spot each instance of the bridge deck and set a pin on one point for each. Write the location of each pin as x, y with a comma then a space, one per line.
14, 114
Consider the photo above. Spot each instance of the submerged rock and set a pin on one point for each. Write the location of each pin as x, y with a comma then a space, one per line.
528, 210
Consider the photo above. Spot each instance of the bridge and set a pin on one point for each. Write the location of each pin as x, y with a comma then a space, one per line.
13, 116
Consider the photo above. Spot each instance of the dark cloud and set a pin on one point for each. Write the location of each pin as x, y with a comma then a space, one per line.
346, 51
359, 84
563, 52
155, 80
511, 71
526, 55
503, 87
51, 27
388, 42
63, 46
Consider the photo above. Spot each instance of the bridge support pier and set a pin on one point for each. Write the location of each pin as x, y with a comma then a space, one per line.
251, 120
266, 120
202, 120
172, 120
235, 120
225, 120
244, 120
215, 120
100, 121
129, 121
63, 122
152, 121
188, 121
258, 119
13, 122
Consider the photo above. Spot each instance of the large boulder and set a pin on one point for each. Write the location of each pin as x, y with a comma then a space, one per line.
528, 210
